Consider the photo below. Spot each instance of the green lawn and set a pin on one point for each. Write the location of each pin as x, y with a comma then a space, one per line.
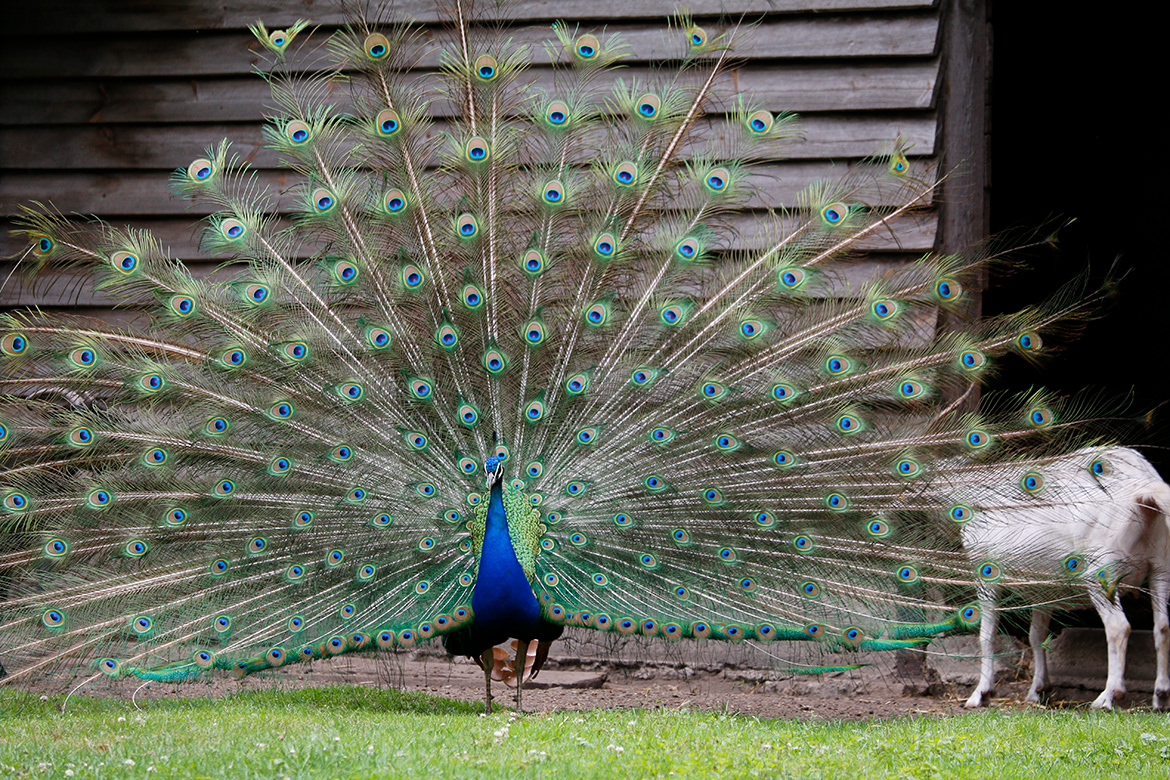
351, 732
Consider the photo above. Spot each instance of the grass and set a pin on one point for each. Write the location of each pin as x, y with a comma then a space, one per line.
352, 732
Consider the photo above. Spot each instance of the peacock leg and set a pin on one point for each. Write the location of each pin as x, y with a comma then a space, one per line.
487, 661
519, 665
542, 648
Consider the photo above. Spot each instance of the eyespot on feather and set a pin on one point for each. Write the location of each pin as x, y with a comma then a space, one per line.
323, 200
413, 277
717, 180
477, 150
200, 170
553, 193
760, 122
376, 46
472, 297
387, 123
378, 338
345, 272
495, 361
534, 412
557, 113
394, 202
835, 214
597, 314
648, 106
83, 357
181, 305
605, 246
688, 249
577, 384
587, 47
643, 376
447, 337
232, 229
124, 262
625, 174
792, 278
466, 226
486, 67
298, 132
533, 262
1029, 342
948, 290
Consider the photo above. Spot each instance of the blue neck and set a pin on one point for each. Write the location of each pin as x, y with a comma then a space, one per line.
503, 599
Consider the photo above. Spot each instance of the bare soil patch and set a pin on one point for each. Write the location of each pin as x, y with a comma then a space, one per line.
875, 691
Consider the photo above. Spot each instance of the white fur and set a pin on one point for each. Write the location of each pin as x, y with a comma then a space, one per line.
1117, 521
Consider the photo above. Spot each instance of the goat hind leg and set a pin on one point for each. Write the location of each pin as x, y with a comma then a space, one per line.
981, 696
1160, 592
1116, 638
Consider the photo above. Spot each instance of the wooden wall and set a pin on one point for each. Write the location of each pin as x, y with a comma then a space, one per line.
101, 101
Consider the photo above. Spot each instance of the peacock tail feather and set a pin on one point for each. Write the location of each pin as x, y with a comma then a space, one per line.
694, 439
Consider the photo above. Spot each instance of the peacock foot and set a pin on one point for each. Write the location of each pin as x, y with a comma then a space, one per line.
504, 664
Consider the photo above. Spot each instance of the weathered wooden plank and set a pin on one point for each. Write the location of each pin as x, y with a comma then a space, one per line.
200, 53
965, 215
164, 148
804, 88
64, 17
836, 87
115, 194
923, 324
911, 235
71, 289
142, 103
125, 318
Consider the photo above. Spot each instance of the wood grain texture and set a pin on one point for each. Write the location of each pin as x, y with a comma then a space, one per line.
100, 103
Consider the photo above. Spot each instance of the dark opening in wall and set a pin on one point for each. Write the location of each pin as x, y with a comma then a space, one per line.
1073, 136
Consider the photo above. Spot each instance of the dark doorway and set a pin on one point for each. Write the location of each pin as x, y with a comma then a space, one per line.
1073, 137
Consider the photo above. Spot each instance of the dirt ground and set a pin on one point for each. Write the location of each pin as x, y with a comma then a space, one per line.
858, 694
574, 682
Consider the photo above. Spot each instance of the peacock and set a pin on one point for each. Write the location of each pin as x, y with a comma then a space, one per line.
506, 372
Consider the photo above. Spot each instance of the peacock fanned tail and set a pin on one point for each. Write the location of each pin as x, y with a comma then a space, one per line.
695, 440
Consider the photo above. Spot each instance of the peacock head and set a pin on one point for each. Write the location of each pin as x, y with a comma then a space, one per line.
492, 467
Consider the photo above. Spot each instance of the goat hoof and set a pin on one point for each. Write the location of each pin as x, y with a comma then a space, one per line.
1037, 695
1162, 700
978, 699
1105, 700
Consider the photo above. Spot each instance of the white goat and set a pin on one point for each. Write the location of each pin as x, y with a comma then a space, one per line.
1105, 521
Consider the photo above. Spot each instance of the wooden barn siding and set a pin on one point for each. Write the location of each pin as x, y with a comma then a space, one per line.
964, 142
100, 102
